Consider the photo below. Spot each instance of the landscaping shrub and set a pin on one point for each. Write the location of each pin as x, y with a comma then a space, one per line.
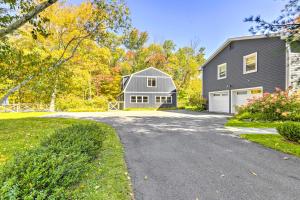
280, 105
48, 171
290, 131
73, 103
197, 101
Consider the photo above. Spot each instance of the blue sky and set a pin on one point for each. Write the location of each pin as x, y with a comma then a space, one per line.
210, 22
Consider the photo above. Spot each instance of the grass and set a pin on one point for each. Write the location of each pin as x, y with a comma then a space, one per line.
106, 179
252, 124
276, 142
21, 115
108, 173
149, 109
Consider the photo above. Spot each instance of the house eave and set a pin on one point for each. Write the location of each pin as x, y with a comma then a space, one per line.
228, 41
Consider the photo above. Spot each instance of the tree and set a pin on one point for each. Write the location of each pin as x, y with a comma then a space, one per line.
135, 40
90, 21
286, 23
10, 19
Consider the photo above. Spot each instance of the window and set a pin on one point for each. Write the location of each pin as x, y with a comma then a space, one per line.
244, 92
145, 99
151, 82
256, 91
133, 99
222, 71
163, 99
157, 99
250, 63
169, 99
139, 99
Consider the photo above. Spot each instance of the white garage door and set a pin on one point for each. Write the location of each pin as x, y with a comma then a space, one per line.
219, 102
241, 97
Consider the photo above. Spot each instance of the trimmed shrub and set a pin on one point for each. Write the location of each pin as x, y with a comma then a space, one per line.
290, 131
57, 164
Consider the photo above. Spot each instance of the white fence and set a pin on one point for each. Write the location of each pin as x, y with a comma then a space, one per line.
115, 105
24, 107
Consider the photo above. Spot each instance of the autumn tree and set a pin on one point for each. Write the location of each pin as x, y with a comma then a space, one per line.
71, 26
15, 13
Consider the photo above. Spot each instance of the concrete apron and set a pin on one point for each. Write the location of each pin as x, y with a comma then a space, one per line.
244, 130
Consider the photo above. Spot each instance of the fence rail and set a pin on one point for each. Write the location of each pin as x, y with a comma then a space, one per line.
115, 105
24, 107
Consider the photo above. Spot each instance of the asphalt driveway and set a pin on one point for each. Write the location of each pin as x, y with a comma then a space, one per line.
184, 155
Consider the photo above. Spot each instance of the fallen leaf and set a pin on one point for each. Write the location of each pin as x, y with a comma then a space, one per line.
253, 173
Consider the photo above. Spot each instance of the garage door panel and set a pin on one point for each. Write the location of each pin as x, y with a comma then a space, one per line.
219, 102
242, 97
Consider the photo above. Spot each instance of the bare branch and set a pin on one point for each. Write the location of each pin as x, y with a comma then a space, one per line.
20, 22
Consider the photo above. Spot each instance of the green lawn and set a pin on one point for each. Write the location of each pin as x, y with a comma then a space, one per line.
276, 142
22, 115
149, 109
253, 124
107, 178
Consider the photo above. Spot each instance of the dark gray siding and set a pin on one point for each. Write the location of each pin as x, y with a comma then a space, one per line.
151, 97
270, 73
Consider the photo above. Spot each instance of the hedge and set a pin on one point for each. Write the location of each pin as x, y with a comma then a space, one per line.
290, 131
48, 171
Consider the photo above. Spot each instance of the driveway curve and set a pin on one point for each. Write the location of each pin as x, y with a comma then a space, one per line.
185, 155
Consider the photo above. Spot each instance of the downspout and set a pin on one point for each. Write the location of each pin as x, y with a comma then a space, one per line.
287, 66
229, 96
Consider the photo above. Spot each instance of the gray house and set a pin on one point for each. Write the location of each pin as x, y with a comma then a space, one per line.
149, 88
245, 67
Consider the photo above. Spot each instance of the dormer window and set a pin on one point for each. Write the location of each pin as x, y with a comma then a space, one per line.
250, 63
151, 82
222, 71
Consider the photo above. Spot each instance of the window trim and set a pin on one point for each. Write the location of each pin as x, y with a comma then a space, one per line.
152, 77
142, 99
160, 102
218, 71
244, 63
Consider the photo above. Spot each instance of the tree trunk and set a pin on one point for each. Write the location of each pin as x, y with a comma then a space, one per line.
20, 22
53, 99
14, 89
90, 87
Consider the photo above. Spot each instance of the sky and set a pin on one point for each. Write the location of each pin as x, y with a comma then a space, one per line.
207, 22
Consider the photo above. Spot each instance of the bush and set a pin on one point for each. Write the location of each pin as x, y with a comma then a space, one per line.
73, 103
48, 171
197, 101
280, 105
290, 131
